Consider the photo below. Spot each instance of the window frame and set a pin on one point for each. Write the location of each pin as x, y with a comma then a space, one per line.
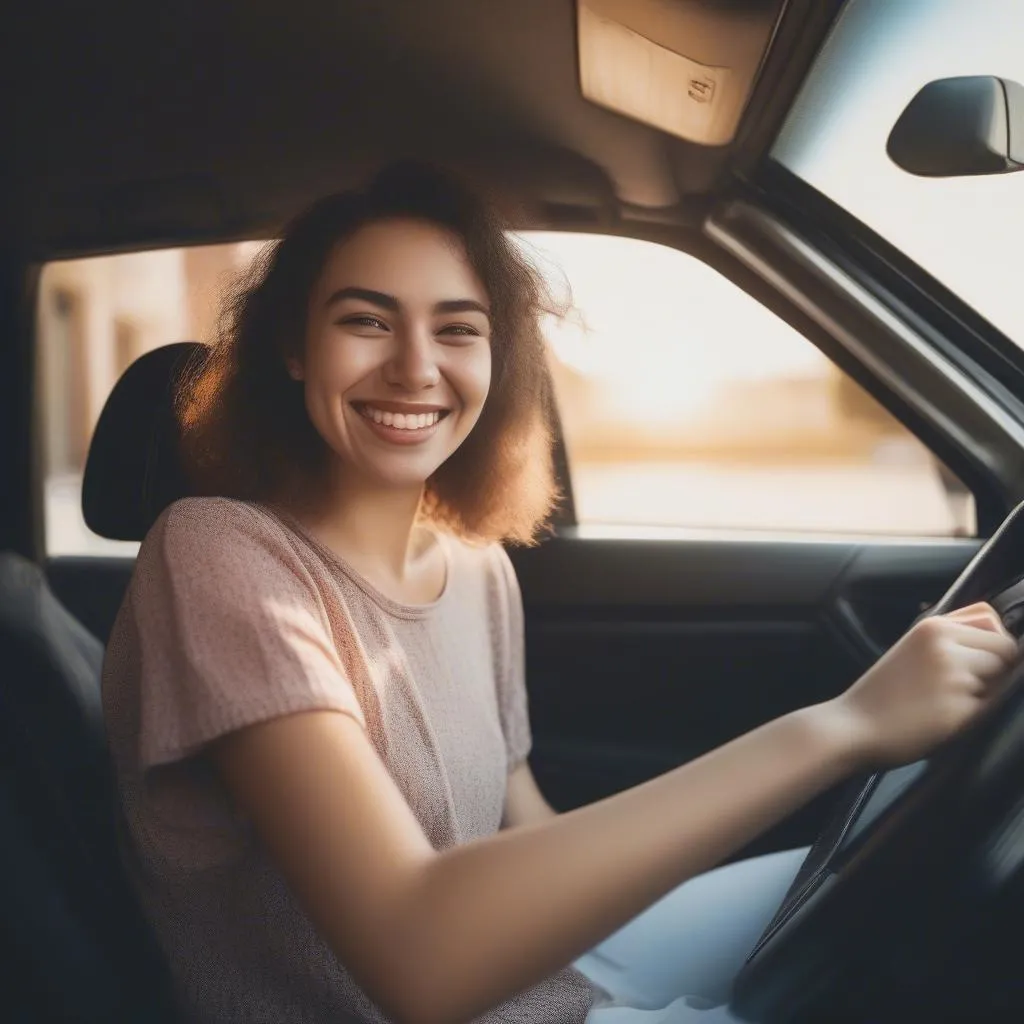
980, 354
980, 348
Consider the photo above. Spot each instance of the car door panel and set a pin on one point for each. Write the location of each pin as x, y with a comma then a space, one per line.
645, 653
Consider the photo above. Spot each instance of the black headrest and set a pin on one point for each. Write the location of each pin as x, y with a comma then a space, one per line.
134, 469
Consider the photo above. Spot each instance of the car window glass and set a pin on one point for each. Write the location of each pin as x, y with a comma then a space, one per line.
685, 402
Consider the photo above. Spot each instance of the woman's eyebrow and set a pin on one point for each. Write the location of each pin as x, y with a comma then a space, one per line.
462, 306
381, 299
390, 302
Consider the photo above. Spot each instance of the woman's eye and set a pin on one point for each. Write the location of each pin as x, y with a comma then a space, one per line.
364, 320
460, 329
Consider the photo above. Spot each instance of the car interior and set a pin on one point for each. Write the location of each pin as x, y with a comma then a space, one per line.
705, 128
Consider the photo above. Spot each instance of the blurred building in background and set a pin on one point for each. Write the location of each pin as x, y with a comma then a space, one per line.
97, 315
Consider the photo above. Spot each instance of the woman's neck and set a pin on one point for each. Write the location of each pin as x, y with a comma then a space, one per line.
375, 531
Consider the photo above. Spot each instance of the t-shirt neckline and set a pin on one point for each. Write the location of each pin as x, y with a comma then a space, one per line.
388, 604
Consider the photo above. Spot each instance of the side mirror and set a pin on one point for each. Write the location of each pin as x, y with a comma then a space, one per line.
961, 126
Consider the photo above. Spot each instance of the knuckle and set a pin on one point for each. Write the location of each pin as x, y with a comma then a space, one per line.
933, 639
930, 629
946, 658
964, 682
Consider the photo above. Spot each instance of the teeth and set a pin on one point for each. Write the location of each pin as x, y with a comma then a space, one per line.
401, 421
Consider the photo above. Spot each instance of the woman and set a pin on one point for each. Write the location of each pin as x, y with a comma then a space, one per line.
315, 685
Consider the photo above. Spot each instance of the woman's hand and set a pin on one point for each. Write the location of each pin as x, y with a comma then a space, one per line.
929, 684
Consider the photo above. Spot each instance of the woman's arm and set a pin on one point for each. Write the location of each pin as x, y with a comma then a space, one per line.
443, 936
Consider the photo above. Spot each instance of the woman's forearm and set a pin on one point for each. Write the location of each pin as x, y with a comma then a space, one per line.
494, 915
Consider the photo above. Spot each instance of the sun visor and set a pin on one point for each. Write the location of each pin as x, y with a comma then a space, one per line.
684, 66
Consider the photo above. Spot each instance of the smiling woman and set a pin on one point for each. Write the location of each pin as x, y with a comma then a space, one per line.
373, 418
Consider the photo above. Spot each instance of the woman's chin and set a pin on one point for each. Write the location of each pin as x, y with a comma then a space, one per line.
399, 467
403, 474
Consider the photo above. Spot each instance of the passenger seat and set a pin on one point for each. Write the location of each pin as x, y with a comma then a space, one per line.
75, 945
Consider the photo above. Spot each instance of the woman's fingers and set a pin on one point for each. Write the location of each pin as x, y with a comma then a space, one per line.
980, 615
982, 664
981, 638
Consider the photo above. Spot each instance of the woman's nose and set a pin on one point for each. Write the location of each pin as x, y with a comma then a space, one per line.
413, 365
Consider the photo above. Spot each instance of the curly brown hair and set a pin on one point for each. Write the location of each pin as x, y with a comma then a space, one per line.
245, 430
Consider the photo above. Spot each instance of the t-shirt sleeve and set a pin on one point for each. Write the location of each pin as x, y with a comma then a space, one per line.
512, 697
231, 631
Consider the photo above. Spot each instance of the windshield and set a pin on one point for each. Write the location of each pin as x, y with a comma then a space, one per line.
966, 232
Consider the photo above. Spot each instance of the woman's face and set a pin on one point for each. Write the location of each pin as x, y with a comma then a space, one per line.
397, 360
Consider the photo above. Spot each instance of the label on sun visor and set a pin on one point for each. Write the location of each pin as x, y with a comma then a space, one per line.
629, 73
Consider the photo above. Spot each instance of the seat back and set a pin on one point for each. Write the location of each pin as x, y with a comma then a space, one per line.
71, 927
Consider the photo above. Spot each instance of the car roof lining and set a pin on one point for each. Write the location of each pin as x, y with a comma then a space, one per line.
140, 125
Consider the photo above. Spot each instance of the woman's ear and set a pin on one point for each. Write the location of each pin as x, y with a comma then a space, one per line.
294, 368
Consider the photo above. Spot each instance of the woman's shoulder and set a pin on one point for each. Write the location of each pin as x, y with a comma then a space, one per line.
216, 534
206, 514
210, 519
484, 555
488, 562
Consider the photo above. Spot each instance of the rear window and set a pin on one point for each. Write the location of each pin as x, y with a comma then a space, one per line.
96, 316
684, 402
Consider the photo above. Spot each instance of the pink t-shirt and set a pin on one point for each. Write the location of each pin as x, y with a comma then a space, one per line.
235, 616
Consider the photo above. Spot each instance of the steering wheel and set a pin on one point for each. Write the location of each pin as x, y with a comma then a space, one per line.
908, 903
